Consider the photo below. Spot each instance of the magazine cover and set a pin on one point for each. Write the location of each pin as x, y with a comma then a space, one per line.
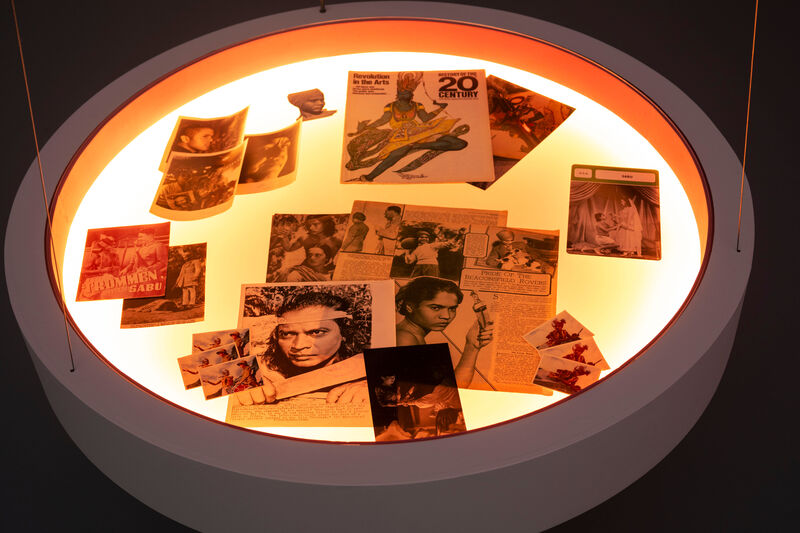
124, 262
417, 127
184, 299
520, 119
614, 212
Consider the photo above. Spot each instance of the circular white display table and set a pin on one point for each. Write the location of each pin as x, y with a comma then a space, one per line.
548, 466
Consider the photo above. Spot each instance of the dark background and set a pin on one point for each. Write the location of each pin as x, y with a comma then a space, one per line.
735, 470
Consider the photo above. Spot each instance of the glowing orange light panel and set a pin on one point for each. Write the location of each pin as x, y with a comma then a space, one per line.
625, 302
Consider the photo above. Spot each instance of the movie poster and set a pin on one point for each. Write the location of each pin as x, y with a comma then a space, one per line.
417, 127
184, 299
124, 262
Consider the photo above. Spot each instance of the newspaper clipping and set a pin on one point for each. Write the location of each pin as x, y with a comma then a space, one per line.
184, 299
614, 212
413, 393
408, 240
308, 338
124, 262
197, 186
305, 247
520, 119
204, 135
270, 160
417, 127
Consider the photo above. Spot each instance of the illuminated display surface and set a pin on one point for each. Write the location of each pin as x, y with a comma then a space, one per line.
625, 302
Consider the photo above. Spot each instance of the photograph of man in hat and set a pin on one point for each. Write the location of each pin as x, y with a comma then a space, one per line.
311, 104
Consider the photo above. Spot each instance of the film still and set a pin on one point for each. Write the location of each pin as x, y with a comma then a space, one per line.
204, 135
614, 212
230, 377
413, 392
270, 160
212, 339
197, 186
190, 365
124, 262
519, 119
304, 247
184, 299
561, 329
564, 375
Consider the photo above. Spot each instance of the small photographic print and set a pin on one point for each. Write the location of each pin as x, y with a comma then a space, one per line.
304, 247
124, 262
184, 300
198, 185
429, 249
204, 135
311, 104
582, 351
517, 250
614, 212
213, 339
564, 375
270, 160
413, 393
191, 365
519, 119
373, 228
561, 329
227, 378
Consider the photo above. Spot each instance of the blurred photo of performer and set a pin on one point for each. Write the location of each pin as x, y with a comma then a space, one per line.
189, 278
430, 304
388, 233
194, 140
311, 104
148, 254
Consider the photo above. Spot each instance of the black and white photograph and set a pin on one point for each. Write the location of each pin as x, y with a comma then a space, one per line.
413, 392
126, 261
373, 228
560, 329
518, 250
190, 365
565, 375
270, 160
204, 135
583, 351
197, 186
429, 249
435, 310
212, 339
614, 212
184, 300
304, 247
230, 377
310, 103
309, 339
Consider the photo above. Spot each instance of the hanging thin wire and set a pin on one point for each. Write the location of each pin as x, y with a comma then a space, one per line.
746, 130
61, 302
322, 6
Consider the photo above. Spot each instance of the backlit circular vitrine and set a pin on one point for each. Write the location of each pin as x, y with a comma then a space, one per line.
665, 327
